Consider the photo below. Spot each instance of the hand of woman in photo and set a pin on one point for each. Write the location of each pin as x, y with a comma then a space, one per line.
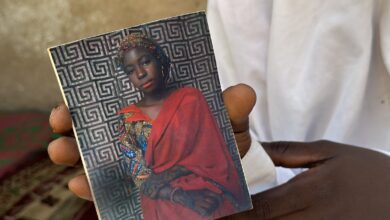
203, 201
239, 101
153, 185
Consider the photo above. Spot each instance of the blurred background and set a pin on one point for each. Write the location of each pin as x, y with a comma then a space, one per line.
31, 187
28, 28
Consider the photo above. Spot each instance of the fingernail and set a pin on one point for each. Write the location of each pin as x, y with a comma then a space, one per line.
86, 198
55, 109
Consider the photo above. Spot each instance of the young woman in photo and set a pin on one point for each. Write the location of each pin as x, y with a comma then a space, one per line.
172, 145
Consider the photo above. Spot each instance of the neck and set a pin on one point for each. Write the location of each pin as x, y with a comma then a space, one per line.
155, 97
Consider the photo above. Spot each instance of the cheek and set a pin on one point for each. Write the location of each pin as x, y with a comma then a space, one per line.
157, 71
133, 80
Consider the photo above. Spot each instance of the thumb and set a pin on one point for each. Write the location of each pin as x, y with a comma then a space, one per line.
298, 154
239, 101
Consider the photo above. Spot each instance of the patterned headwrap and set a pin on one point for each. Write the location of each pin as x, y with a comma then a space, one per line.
135, 40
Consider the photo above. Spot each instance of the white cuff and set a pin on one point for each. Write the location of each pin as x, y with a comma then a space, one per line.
258, 168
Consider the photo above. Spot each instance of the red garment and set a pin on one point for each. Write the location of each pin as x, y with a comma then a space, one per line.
185, 133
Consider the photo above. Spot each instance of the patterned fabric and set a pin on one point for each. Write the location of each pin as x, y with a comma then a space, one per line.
134, 134
134, 40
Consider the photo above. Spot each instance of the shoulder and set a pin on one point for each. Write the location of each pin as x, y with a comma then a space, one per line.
190, 91
132, 113
190, 96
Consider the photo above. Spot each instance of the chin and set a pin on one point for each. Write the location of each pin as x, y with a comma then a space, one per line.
149, 90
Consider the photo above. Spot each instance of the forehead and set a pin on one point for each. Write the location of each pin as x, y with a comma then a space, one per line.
134, 54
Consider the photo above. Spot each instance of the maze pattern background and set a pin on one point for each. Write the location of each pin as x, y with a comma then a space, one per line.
95, 89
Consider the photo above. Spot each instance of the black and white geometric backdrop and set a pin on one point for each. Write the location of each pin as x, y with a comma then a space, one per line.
95, 89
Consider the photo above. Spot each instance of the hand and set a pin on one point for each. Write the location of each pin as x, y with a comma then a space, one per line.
239, 101
203, 201
153, 185
154, 188
64, 150
342, 182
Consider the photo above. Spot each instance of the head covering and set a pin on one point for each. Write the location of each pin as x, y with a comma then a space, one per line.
139, 40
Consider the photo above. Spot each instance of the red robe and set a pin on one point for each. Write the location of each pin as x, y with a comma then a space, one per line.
185, 133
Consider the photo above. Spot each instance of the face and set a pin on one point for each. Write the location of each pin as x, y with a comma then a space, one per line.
144, 70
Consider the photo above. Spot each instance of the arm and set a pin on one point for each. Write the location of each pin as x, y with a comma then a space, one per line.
157, 185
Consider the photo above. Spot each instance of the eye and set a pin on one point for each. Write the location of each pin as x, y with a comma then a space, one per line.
129, 70
146, 60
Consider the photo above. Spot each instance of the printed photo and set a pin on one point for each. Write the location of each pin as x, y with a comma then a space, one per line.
148, 115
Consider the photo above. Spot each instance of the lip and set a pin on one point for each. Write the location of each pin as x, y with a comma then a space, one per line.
148, 84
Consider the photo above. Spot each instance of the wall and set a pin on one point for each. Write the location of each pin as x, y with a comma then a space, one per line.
28, 28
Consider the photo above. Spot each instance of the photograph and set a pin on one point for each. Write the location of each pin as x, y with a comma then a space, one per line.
149, 119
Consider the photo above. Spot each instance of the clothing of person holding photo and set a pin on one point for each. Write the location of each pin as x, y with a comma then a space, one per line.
321, 70
172, 145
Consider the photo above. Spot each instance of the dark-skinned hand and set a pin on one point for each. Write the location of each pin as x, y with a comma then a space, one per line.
342, 182
153, 185
202, 201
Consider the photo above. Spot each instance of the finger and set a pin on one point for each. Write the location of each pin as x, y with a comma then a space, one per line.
299, 215
291, 197
205, 211
60, 119
64, 151
79, 186
250, 214
299, 154
204, 204
202, 211
210, 203
215, 196
239, 101
213, 206
244, 141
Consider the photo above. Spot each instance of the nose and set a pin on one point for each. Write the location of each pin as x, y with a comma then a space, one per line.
141, 72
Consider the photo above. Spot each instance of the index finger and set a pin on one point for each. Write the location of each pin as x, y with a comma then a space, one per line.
60, 119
